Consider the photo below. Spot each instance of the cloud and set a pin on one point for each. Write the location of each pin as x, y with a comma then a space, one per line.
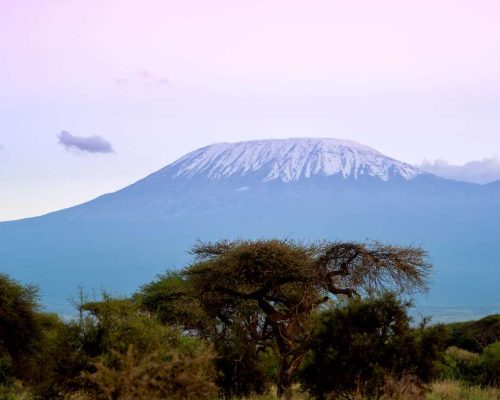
148, 76
482, 171
143, 76
90, 144
122, 81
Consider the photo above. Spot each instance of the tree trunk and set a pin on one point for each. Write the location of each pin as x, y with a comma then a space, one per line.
284, 389
284, 379
288, 366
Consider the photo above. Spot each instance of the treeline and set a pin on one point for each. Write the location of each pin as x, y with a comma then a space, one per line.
327, 319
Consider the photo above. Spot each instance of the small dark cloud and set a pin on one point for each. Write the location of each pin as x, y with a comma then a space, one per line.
481, 171
90, 144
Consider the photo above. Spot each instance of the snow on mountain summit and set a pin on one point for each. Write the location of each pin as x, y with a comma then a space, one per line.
289, 160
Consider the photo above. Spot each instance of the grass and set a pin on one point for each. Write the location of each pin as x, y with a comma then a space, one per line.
446, 390
455, 391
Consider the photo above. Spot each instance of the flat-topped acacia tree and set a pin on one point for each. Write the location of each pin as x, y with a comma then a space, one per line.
273, 287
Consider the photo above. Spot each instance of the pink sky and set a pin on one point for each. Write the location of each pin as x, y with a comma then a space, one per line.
414, 79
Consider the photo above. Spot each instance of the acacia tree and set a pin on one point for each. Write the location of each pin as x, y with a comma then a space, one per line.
273, 288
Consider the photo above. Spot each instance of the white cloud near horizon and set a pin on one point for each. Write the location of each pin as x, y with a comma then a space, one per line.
482, 171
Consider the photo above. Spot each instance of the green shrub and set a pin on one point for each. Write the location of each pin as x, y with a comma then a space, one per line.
92, 357
60, 359
474, 335
112, 325
6, 375
19, 329
135, 356
361, 347
490, 365
179, 374
472, 368
461, 365
243, 367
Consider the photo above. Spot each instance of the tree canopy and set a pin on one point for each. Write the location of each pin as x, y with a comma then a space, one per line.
272, 288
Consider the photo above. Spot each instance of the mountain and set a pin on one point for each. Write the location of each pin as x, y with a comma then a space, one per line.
295, 188
289, 160
225, 173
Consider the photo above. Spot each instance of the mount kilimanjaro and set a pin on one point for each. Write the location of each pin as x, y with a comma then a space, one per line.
295, 188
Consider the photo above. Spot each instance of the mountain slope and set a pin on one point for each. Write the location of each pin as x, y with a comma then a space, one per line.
297, 188
220, 174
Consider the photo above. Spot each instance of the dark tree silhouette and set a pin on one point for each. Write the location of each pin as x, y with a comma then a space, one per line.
274, 287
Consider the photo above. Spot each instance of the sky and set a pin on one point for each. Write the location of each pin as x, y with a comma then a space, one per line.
96, 94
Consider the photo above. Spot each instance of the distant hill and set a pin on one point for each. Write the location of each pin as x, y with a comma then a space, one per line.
296, 188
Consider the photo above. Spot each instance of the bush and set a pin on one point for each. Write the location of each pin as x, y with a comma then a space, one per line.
179, 374
490, 365
60, 359
474, 336
135, 356
243, 367
461, 365
365, 345
112, 351
112, 325
472, 368
19, 329
171, 300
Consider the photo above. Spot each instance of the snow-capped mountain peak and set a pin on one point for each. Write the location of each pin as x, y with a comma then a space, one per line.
290, 160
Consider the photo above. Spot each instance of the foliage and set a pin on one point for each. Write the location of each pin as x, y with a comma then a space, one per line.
272, 288
62, 359
474, 335
180, 374
459, 364
243, 368
172, 301
19, 328
472, 368
490, 364
14, 391
59, 360
37, 348
359, 348
115, 324
136, 355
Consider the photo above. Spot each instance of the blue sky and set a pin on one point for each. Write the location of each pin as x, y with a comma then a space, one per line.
155, 79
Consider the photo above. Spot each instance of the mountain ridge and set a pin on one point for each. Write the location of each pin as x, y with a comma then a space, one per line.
290, 160
123, 239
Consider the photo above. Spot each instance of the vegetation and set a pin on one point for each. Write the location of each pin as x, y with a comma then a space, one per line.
473, 368
271, 289
365, 346
20, 331
246, 319
453, 390
474, 336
